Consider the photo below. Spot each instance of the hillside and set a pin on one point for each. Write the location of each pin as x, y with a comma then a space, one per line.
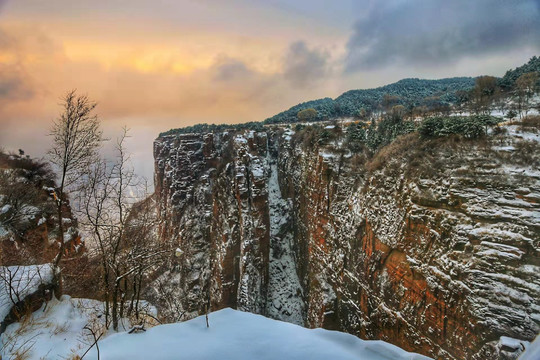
408, 92
426, 96
28, 218
29, 221
510, 77
354, 103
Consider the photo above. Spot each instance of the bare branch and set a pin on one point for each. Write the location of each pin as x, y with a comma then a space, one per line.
76, 139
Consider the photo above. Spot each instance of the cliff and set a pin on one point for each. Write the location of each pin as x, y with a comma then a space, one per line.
432, 245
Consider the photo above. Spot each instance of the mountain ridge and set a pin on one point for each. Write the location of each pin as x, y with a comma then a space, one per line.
352, 102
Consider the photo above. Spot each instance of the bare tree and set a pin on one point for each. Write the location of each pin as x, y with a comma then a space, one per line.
104, 206
142, 253
76, 140
526, 86
95, 336
483, 94
122, 232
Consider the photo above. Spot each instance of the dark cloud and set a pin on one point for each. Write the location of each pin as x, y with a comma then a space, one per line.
431, 32
13, 87
231, 69
304, 66
14, 84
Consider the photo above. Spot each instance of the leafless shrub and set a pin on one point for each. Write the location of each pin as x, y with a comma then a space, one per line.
531, 122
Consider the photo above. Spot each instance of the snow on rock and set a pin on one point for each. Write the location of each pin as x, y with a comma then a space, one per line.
512, 344
284, 289
18, 282
517, 132
3, 231
5, 209
238, 335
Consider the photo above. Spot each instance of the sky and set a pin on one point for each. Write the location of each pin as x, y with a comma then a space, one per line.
162, 64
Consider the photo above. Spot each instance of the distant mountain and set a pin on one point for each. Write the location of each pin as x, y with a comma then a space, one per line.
407, 92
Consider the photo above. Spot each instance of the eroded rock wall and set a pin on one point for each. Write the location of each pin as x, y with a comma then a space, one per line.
432, 247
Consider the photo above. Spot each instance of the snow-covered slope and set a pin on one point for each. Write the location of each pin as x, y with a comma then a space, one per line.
56, 331
17, 282
238, 335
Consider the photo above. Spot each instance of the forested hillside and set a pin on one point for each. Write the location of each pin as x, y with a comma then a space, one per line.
357, 103
509, 79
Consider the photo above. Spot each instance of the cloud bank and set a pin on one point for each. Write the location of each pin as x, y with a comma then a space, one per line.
438, 32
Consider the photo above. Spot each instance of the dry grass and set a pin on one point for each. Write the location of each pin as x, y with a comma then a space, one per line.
19, 350
397, 149
531, 122
417, 157
528, 122
60, 328
22, 355
526, 153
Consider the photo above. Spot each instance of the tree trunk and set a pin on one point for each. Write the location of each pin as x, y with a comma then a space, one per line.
138, 296
115, 306
56, 271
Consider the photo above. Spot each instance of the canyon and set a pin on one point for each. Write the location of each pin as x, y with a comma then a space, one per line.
431, 245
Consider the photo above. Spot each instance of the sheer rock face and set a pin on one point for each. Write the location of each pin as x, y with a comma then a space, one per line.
441, 259
213, 203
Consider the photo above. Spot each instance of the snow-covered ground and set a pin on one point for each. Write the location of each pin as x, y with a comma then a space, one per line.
56, 331
60, 330
238, 335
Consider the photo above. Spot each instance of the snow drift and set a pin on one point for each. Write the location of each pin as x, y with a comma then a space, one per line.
238, 335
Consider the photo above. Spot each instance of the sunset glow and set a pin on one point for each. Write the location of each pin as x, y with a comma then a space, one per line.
175, 63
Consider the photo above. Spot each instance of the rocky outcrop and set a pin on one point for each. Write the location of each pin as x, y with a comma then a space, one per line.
431, 245
29, 232
28, 216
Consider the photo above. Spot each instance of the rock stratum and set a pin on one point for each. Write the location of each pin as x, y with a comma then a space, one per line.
431, 245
